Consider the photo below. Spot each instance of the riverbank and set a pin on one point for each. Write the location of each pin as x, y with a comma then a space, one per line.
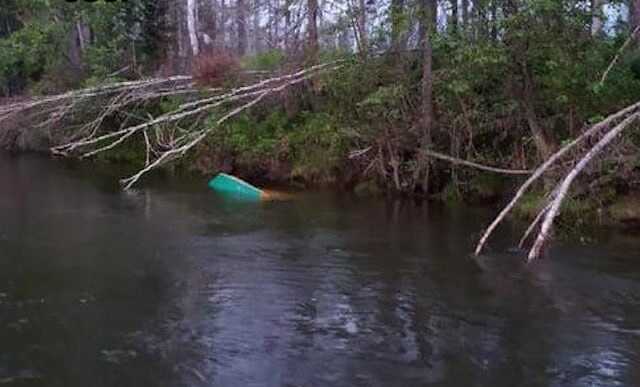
371, 145
614, 211
342, 131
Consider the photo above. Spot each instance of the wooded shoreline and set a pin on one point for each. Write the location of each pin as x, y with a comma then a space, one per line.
434, 99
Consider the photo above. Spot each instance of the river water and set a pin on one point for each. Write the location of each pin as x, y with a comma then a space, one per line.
174, 286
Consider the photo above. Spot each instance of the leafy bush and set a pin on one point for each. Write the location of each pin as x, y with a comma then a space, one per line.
266, 61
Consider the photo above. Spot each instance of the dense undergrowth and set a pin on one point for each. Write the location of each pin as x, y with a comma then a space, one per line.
359, 128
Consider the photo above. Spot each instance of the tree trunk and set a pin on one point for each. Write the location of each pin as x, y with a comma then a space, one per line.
494, 20
287, 27
222, 25
79, 39
465, 14
241, 26
479, 15
544, 144
429, 14
428, 27
324, 41
397, 25
596, 17
276, 26
543, 141
312, 31
271, 14
362, 27
453, 22
433, 16
84, 35
209, 23
256, 33
563, 188
634, 18
192, 27
290, 106
345, 40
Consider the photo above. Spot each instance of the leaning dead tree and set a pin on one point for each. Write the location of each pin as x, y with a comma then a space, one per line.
80, 120
57, 106
603, 133
580, 155
167, 137
82, 113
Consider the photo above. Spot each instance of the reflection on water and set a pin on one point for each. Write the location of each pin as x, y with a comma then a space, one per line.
173, 286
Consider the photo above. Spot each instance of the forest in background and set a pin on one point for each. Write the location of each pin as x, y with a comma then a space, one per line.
491, 83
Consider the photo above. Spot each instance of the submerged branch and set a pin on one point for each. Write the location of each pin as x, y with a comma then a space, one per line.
96, 104
201, 135
563, 188
594, 130
536, 220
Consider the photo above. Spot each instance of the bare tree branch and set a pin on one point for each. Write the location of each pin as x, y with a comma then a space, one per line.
563, 188
471, 164
170, 142
594, 130
618, 55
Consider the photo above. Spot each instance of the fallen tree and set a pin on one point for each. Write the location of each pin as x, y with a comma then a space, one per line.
164, 143
81, 113
166, 140
603, 133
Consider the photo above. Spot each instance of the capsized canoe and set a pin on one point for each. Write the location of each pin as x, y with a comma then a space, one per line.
234, 187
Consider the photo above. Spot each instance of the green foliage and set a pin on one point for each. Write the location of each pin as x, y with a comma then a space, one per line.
575, 210
451, 193
266, 61
487, 77
255, 140
39, 43
530, 205
169, 104
365, 100
130, 153
29, 51
310, 143
487, 187
317, 147
384, 102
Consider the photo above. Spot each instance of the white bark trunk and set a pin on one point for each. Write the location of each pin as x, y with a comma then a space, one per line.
222, 28
241, 26
568, 180
81, 31
631, 110
362, 27
256, 33
192, 26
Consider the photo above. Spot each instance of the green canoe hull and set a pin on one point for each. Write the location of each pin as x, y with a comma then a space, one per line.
234, 187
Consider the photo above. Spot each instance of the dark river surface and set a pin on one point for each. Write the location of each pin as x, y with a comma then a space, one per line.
174, 286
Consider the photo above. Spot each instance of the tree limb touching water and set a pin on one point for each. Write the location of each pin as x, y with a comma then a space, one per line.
611, 126
92, 139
